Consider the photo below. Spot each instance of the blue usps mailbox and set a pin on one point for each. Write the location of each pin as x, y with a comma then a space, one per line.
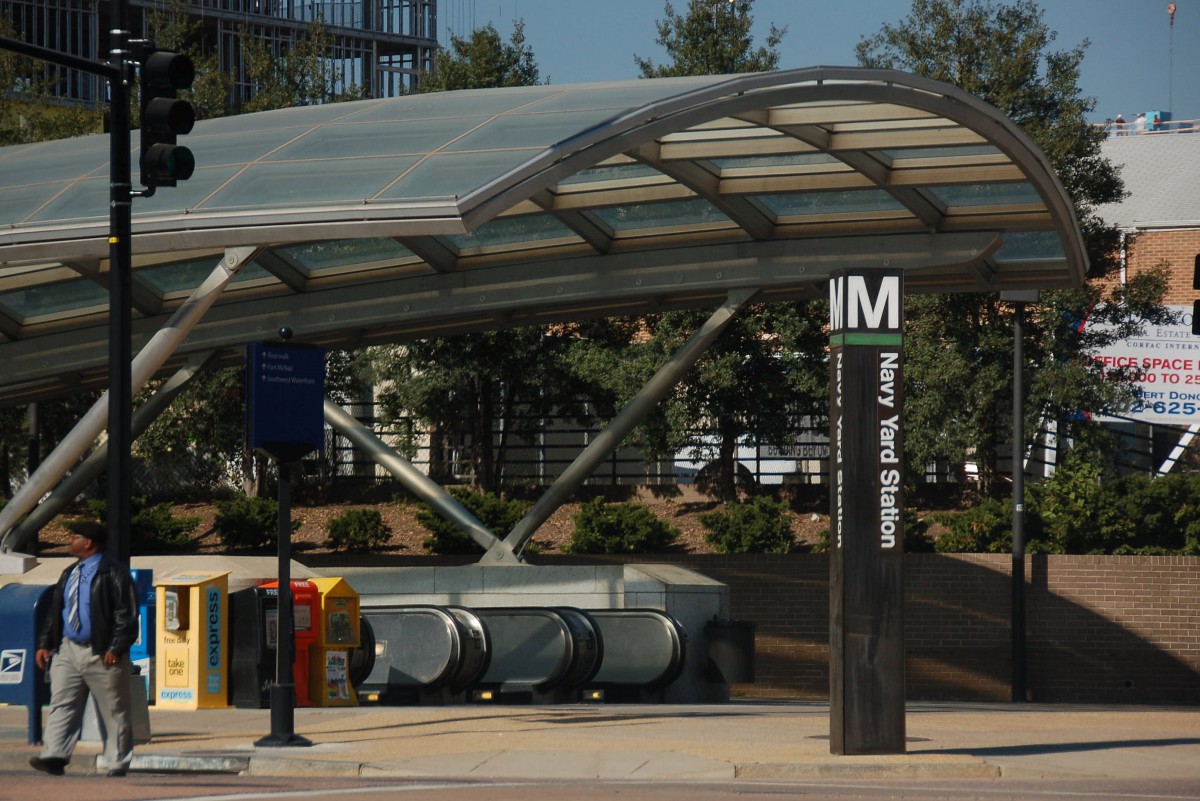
285, 410
23, 607
142, 652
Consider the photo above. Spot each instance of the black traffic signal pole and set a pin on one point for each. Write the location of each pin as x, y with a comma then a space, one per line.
120, 304
117, 72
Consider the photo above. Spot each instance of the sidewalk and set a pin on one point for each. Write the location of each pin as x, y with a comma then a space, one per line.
782, 740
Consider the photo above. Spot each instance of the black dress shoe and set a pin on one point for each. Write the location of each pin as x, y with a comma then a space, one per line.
52, 765
118, 772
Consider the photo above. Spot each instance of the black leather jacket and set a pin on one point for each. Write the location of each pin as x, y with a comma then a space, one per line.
114, 610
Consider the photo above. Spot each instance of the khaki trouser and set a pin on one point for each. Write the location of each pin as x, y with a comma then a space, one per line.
74, 671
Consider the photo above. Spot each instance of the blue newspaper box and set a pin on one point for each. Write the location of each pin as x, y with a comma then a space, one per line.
23, 607
142, 652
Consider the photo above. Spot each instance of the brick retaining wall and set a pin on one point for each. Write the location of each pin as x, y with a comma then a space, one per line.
1100, 628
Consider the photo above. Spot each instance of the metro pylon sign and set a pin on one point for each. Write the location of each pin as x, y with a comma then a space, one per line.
866, 517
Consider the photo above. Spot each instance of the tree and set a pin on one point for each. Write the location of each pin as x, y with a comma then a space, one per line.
29, 111
958, 373
482, 61
770, 362
712, 38
300, 75
764, 371
173, 28
492, 387
466, 384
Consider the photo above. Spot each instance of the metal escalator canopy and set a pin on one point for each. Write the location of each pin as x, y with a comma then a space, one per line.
393, 219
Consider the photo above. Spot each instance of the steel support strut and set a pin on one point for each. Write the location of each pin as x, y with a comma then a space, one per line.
160, 347
413, 479
87, 472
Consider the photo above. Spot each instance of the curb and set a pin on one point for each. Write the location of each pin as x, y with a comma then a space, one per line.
867, 770
178, 763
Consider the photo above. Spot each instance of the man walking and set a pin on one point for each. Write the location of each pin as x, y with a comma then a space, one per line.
92, 623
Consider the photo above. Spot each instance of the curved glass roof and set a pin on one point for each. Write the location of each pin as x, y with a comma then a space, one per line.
384, 220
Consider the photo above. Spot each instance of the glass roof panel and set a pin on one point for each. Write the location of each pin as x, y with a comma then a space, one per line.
660, 215
53, 299
781, 160
33, 164
511, 230
613, 96
316, 256
467, 102
940, 152
997, 194
377, 139
238, 147
90, 198
854, 201
612, 172
252, 272
1030, 246
182, 276
278, 183
87, 198
526, 129
456, 175
17, 202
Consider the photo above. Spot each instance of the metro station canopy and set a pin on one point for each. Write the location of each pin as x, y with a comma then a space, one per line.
386, 220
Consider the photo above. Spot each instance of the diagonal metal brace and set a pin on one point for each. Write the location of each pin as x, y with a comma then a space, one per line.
87, 472
160, 347
608, 440
417, 482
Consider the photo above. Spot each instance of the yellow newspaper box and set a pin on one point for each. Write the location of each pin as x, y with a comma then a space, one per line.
337, 633
193, 635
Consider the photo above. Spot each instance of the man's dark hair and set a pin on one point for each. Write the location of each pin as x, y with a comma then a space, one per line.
94, 531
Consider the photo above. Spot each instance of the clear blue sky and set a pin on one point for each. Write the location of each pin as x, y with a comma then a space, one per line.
1125, 69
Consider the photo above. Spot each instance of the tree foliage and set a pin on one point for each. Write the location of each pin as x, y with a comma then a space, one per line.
482, 61
770, 359
29, 109
712, 37
486, 388
298, 74
171, 27
958, 373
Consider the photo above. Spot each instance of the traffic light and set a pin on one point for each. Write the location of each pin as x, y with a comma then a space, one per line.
164, 117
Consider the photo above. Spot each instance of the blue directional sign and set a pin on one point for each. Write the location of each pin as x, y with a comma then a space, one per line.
285, 386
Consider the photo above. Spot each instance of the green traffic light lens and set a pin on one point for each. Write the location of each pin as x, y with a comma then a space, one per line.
181, 163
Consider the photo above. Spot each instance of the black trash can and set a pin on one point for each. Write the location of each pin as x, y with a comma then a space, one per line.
731, 649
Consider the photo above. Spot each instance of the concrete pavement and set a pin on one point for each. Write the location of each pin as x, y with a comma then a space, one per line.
771, 740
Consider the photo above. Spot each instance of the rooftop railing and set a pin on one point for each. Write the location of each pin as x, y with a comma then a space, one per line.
1147, 127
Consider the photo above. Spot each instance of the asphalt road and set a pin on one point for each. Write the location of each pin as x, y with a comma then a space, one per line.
29, 786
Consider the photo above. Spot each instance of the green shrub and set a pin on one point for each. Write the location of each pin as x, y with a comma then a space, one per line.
986, 528
628, 527
1067, 509
153, 528
497, 514
916, 535
357, 530
761, 525
246, 522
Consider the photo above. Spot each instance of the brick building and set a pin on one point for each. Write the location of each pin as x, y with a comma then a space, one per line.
1160, 225
1161, 216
